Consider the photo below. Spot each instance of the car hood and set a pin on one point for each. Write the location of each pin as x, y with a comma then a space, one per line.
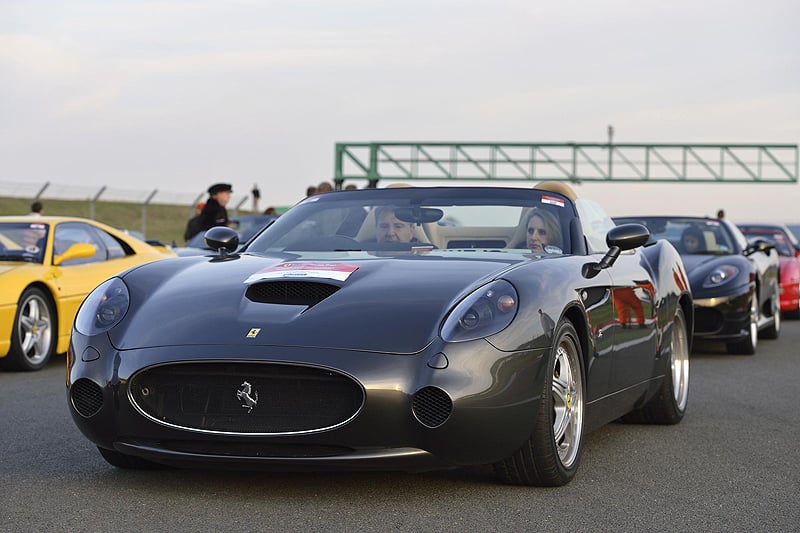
702, 261
699, 266
384, 305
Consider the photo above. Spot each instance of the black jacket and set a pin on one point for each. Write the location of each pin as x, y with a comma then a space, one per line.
213, 214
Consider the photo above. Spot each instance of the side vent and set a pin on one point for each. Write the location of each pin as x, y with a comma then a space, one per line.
86, 396
307, 293
432, 406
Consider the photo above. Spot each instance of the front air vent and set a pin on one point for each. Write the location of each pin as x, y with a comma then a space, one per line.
290, 292
246, 398
86, 396
432, 406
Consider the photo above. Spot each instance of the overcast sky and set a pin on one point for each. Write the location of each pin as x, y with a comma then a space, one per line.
178, 94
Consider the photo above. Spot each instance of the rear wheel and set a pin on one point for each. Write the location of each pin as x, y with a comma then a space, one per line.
551, 455
33, 339
669, 403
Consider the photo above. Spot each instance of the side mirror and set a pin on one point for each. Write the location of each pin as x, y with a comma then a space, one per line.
618, 239
223, 239
76, 251
627, 236
759, 245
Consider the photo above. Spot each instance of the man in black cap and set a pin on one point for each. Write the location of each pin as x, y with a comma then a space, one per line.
213, 213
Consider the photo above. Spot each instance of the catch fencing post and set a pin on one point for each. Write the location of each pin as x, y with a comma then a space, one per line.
194, 205
93, 200
240, 204
144, 212
41, 191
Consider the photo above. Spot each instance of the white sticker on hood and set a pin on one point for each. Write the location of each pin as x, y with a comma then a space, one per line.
301, 269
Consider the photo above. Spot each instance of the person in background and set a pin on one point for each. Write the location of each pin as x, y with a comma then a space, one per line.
270, 211
213, 213
37, 209
324, 187
721, 214
256, 192
311, 190
692, 240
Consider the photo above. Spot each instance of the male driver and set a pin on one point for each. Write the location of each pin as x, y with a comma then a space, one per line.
392, 229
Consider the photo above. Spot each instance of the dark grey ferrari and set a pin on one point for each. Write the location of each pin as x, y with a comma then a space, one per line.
406, 328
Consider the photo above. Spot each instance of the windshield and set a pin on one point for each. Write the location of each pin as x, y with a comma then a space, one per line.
778, 237
23, 241
419, 220
690, 235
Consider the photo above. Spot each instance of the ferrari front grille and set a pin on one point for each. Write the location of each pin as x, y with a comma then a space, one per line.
86, 396
246, 398
290, 292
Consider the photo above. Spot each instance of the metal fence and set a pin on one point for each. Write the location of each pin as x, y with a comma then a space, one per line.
94, 194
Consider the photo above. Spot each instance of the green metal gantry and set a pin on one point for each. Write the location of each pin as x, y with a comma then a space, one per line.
575, 162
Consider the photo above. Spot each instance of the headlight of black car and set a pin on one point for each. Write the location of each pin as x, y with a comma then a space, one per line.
485, 312
103, 308
720, 276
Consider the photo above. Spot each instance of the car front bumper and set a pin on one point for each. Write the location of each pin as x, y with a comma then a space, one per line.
724, 317
449, 405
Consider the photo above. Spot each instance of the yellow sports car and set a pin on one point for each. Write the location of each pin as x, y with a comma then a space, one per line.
47, 267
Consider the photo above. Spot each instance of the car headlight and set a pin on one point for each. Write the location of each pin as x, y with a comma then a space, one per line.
485, 312
103, 308
720, 275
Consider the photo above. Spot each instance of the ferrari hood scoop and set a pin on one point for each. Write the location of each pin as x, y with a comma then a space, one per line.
308, 293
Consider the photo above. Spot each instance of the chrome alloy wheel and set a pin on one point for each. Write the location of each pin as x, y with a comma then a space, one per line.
568, 402
754, 321
776, 315
680, 364
34, 328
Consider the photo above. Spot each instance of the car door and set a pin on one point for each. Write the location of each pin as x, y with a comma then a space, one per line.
632, 297
635, 334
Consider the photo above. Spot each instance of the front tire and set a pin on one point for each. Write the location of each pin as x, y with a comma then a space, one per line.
773, 331
33, 338
551, 455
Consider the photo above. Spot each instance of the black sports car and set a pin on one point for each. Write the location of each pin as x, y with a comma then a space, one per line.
734, 282
399, 328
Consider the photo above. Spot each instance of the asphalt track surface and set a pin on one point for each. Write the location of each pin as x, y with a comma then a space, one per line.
732, 465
